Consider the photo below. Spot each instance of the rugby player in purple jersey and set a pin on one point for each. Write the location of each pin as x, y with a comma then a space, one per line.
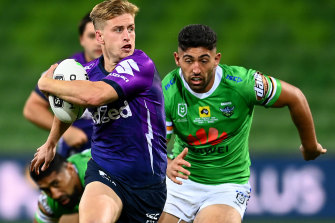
36, 109
125, 179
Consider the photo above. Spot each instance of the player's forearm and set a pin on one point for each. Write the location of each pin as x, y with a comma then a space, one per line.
84, 93
303, 120
39, 117
57, 130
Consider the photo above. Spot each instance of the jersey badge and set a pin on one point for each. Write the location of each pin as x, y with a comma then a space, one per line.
204, 112
260, 85
182, 109
228, 109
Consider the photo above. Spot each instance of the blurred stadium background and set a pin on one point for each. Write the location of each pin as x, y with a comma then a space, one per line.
291, 40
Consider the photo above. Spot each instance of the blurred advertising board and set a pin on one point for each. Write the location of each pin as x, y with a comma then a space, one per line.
281, 187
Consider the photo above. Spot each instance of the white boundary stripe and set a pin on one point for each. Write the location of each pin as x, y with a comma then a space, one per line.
168, 123
274, 91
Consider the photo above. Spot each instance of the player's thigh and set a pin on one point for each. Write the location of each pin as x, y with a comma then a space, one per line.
99, 203
169, 218
218, 213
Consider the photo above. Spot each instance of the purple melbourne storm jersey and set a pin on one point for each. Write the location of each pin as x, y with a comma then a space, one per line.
85, 123
128, 138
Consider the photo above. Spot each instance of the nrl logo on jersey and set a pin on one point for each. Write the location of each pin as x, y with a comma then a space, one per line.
228, 110
182, 109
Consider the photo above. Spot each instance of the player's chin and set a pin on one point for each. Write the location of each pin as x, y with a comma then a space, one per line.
126, 52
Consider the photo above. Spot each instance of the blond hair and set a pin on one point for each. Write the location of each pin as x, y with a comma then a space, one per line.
110, 9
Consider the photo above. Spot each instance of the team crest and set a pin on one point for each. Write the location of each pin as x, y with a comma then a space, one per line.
228, 110
182, 109
204, 112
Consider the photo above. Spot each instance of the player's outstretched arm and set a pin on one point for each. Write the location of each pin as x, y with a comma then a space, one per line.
36, 110
175, 167
296, 101
45, 154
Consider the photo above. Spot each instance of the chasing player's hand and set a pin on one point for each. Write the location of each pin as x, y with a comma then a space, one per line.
312, 153
44, 155
175, 167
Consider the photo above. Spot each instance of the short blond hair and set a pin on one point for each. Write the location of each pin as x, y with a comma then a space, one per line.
110, 9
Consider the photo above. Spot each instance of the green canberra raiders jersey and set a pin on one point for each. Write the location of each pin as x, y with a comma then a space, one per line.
215, 125
53, 209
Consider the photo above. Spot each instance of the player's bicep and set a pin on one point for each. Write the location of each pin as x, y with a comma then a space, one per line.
289, 95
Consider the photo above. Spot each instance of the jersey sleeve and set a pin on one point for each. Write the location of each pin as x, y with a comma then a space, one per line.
258, 89
132, 76
45, 213
169, 80
267, 89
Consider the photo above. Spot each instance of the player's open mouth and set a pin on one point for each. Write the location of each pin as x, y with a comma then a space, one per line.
127, 47
64, 201
196, 80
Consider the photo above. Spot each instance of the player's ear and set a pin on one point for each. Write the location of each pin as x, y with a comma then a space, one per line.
70, 167
217, 59
176, 58
99, 36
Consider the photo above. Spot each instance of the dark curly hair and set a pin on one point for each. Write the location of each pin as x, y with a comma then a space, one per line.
56, 165
197, 35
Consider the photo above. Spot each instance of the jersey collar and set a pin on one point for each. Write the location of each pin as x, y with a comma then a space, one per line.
217, 80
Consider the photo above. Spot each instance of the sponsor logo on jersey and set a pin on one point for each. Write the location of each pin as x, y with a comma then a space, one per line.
119, 76
260, 85
201, 137
228, 110
233, 78
104, 115
182, 109
171, 82
90, 66
204, 112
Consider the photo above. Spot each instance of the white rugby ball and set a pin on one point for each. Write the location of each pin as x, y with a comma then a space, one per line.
67, 70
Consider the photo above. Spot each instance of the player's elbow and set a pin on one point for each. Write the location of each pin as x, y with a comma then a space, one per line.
27, 113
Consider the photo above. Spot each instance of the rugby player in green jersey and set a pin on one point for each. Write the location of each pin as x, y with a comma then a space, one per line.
61, 185
209, 108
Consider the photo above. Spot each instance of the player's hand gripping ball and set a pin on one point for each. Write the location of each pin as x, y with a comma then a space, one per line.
67, 70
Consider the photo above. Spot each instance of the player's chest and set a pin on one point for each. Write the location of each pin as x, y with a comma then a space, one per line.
225, 112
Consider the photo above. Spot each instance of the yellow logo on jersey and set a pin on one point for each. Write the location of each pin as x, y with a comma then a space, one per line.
204, 112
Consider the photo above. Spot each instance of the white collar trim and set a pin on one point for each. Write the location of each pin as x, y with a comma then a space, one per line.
217, 80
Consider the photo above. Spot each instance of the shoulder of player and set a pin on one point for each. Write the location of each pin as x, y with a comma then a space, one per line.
91, 65
143, 61
236, 75
79, 57
169, 82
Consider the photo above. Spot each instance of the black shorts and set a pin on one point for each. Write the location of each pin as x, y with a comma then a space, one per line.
139, 204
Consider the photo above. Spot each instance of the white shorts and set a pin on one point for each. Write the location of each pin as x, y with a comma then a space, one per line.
186, 200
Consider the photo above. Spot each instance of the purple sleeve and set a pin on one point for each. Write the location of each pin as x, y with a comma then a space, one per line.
133, 75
